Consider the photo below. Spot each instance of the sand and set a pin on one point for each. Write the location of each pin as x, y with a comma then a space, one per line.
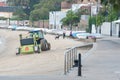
47, 62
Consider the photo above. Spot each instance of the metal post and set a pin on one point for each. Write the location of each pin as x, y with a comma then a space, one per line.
55, 20
43, 24
76, 54
70, 60
73, 57
111, 20
79, 65
96, 17
111, 28
90, 22
65, 64
119, 31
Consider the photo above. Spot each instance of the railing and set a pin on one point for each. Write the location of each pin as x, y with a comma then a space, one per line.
70, 57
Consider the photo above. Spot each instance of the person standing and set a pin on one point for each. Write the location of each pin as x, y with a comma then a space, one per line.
70, 33
64, 34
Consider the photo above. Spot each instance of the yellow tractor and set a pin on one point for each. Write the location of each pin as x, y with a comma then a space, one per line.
34, 43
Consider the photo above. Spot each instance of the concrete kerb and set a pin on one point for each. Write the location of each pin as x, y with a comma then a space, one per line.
91, 51
83, 56
85, 45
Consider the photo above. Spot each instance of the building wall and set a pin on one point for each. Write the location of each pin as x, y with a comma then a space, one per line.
105, 28
55, 19
6, 14
42, 24
66, 5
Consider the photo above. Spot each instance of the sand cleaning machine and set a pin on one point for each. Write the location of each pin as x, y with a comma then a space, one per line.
33, 43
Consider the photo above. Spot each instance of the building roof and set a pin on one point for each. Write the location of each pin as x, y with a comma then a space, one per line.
7, 9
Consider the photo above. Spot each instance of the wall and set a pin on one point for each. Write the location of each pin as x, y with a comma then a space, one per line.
55, 18
105, 28
6, 14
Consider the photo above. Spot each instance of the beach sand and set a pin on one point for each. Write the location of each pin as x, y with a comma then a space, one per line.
47, 62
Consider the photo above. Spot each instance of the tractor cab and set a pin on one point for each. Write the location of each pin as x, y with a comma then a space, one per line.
37, 33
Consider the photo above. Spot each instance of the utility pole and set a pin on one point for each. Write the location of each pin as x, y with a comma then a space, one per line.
96, 15
110, 18
55, 20
90, 22
119, 31
111, 21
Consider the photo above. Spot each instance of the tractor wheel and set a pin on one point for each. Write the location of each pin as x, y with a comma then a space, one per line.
39, 49
43, 45
49, 46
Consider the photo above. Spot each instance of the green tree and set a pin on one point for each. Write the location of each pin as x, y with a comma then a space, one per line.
20, 14
47, 5
79, 13
70, 19
92, 20
37, 14
112, 4
31, 6
26, 6
100, 19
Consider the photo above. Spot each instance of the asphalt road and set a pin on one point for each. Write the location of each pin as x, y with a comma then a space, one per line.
104, 62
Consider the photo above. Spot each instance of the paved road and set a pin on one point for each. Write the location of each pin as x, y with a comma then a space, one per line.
102, 64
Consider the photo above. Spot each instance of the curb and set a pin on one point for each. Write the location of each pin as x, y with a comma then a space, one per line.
90, 52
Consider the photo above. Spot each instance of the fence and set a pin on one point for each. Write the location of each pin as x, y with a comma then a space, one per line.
71, 57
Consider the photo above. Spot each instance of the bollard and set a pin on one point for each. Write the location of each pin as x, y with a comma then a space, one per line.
79, 64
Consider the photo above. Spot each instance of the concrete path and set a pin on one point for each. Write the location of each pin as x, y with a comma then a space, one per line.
103, 63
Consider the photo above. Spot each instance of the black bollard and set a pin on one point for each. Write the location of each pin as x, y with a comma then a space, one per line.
79, 65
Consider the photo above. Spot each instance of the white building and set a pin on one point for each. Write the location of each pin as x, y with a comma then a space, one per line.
55, 17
